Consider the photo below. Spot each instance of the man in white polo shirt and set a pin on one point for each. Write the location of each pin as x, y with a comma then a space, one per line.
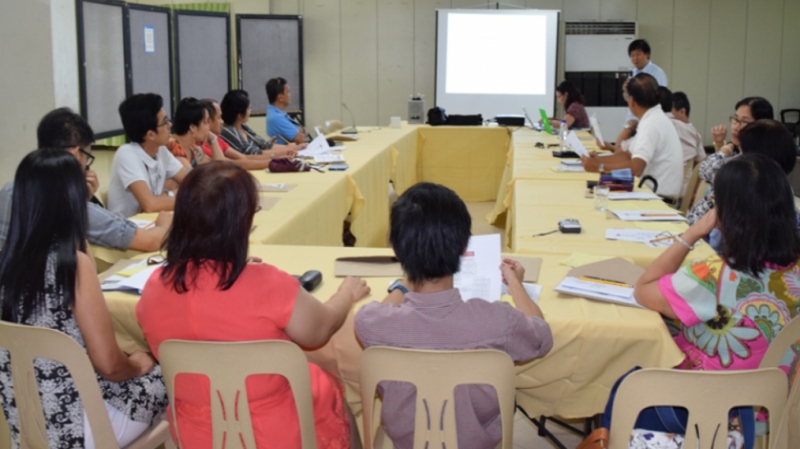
143, 165
656, 151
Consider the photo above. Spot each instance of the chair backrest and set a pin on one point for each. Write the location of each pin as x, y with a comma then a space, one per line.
690, 194
785, 113
708, 395
788, 336
435, 374
26, 343
227, 365
331, 126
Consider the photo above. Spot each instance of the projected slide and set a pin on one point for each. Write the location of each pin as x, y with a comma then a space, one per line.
494, 62
498, 69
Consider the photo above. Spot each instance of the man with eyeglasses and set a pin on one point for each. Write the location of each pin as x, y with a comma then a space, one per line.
63, 128
279, 124
142, 167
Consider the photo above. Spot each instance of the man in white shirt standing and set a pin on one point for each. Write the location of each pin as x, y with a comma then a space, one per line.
143, 165
639, 52
656, 151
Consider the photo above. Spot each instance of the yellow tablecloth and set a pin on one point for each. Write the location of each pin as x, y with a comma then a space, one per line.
595, 342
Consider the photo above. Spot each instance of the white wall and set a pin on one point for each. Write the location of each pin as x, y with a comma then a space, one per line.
372, 54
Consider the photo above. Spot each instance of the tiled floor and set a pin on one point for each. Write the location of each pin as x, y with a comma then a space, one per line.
525, 434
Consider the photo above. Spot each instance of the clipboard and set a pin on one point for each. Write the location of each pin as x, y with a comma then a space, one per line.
368, 266
532, 265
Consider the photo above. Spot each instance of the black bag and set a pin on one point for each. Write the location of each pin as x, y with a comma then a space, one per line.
436, 116
465, 120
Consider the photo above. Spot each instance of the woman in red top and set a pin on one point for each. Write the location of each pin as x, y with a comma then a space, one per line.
209, 291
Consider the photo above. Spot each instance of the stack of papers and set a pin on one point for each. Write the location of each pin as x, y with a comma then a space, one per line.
533, 290
316, 147
569, 168
614, 196
648, 215
131, 279
328, 158
599, 289
571, 162
639, 235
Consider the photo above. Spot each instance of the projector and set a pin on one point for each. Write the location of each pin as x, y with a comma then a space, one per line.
510, 120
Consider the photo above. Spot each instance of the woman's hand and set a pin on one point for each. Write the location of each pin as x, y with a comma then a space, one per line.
702, 227
142, 361
718, 134
512, 270
727, 150
355, 288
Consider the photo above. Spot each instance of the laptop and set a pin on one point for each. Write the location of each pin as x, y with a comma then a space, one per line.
546, 121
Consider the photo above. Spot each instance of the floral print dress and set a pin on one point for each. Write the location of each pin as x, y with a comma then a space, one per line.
728, 317
142, 399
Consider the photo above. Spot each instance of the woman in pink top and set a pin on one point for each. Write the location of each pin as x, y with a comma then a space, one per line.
210, 291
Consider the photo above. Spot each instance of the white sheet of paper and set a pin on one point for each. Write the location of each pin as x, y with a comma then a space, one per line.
596, 128
534, 290
479, 276
142, 223
597, 290
149, 39
134, 283
638, 235
633, 196
647, 215
328, 158
576, 145
572, 162
570, 168
317, 146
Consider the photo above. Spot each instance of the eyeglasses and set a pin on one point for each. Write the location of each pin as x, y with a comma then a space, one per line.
738, 122
166, 122
89, 157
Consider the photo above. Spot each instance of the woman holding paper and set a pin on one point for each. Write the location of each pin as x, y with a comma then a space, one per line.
48, 279
571, 99
235, 113
730, 306
208, 290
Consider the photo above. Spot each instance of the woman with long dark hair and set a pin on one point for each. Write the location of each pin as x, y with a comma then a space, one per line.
47, 279
571, 99
209, 291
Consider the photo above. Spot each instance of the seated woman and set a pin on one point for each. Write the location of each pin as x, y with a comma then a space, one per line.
235, 108
215, 123
571, 99
231, 298
747, 111
47, 279
190, 130
730, 306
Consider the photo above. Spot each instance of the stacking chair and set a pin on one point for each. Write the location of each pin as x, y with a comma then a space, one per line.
227, 366
690, 195
26, 343
708, 395
782, 342
435, 374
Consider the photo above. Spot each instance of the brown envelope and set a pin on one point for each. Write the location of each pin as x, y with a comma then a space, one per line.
269, 188
368, 266
616, 269
532, 266
267, 202
119, 266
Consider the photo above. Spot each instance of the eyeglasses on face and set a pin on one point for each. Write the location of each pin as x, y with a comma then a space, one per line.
738, 122
166, 122
89, 157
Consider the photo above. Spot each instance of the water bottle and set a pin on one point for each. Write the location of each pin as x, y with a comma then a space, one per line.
563, 130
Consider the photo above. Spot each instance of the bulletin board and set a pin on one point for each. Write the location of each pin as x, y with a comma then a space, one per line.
102, 63
270, 46
203, 54
151, 52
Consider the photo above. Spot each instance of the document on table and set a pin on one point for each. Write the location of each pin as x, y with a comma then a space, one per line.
328, 158
572, 162
133, 283
569, 168
648, 215
576, 145
597, 289
614, 196
639, 235
479, 276
143, 224
316, 147
533, 290
596, 129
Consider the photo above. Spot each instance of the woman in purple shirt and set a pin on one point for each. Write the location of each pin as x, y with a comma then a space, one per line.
571, 99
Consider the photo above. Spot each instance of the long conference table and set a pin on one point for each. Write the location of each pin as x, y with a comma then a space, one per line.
594, 342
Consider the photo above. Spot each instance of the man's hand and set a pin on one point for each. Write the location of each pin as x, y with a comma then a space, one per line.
512, 271
92, 183
718, 134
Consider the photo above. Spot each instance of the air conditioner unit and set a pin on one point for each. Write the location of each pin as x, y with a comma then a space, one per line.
597, 63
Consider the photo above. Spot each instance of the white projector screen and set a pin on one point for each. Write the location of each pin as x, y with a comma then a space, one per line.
494, 62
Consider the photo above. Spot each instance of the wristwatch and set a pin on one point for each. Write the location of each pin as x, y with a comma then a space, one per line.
398, 285
602, 168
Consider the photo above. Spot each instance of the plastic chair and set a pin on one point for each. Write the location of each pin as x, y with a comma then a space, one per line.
227, 366
786, 112
436, 374
24, 344
708, 395
782, 342
690, 195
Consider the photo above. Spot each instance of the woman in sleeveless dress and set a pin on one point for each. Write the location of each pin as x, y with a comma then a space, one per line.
47, 279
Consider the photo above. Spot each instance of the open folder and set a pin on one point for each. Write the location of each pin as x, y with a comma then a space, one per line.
609, 280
